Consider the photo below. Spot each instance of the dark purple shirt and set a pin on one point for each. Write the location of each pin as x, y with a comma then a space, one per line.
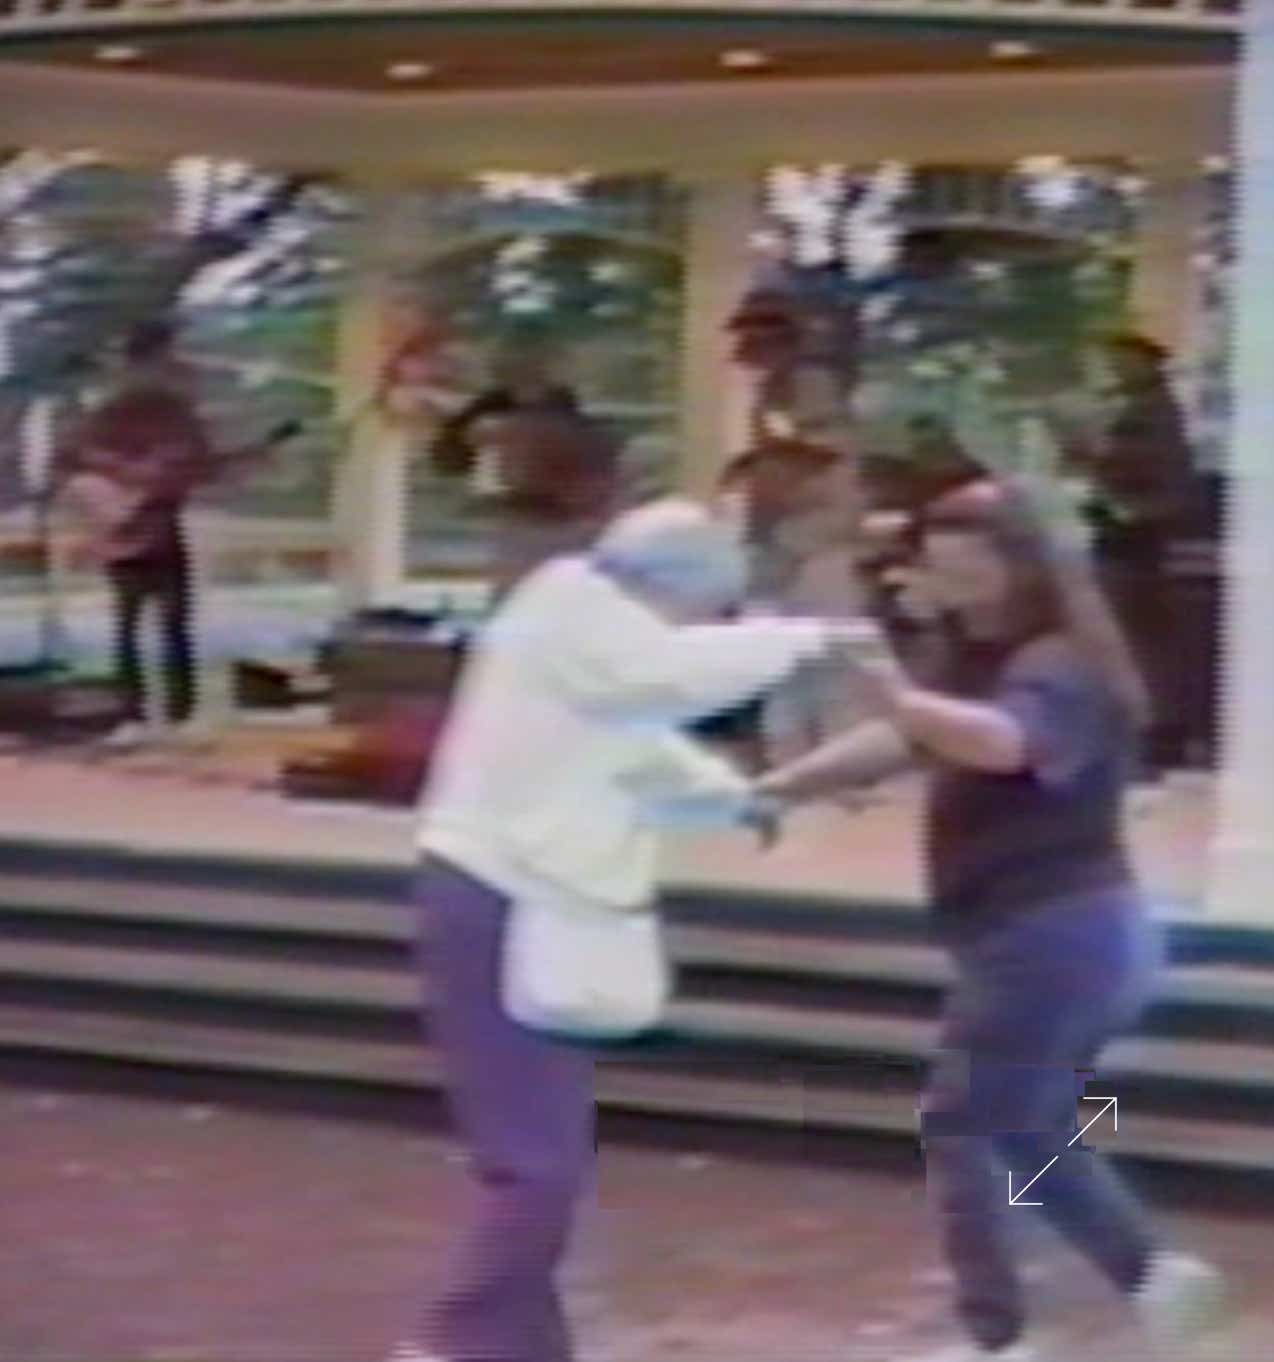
1005, 844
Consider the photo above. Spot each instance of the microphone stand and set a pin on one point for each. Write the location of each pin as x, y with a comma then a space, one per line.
51, 656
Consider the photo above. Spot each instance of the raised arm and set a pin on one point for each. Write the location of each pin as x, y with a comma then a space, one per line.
1049, 714
963, 732
980, 735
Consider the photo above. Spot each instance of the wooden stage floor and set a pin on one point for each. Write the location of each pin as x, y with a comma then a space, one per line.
221, 802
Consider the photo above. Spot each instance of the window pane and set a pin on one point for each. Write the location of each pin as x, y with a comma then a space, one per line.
586, 271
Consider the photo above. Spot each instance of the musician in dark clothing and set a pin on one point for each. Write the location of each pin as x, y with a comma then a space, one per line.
1142, 476
134, 464
1142, 467
522, 381
560, 479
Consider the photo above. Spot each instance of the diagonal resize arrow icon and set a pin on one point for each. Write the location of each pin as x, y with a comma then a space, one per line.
1108, 1104
1015, 1198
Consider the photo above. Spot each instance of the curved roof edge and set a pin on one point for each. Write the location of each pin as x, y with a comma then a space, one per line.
31, 18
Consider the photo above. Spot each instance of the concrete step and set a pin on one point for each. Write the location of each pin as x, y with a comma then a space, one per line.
798, 1033
194, 973
203, 901
762, 951
335, 917
791, 1015
83, 1032
70, 866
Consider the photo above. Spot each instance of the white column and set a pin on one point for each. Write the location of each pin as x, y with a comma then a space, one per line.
714, 392
1242, 887
370, 492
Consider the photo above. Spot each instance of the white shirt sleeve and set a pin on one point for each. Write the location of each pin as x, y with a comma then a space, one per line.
676, 767
679, 783
622, 660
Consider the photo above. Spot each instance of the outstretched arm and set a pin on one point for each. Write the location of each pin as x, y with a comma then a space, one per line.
618, 658
676, 779
870, 752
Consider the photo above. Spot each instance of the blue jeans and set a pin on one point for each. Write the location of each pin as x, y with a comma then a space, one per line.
1035, 1001
524, 1107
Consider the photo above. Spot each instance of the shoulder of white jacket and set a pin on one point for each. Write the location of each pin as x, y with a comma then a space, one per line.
564, 590
564, 567
575, 574
555, 576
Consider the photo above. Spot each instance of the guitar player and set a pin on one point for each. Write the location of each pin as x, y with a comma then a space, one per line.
133, 466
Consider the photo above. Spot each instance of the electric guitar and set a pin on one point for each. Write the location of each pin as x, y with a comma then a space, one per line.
108, 505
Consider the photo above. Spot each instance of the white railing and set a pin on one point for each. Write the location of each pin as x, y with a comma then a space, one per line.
32, 17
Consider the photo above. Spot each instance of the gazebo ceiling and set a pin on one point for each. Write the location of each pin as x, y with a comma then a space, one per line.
511, 52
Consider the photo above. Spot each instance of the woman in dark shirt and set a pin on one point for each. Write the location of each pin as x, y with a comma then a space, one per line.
1028, 729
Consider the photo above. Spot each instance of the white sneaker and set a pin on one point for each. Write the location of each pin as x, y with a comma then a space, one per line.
1181, 1298
408, 1352
192, 733
971, 1352
132, 734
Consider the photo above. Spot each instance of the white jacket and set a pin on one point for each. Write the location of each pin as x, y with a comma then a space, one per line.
561, 756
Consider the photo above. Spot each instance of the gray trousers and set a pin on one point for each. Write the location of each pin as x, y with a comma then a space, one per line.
523, 1105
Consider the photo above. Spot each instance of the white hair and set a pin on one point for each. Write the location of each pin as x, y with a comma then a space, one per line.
678, 550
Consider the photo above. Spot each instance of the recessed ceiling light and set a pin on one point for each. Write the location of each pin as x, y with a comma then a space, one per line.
118, 54
410, 70
745, 59
1015, 51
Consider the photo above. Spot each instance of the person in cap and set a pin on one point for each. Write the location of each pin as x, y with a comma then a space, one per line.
523, 379
569, 707
802, 358
558, 481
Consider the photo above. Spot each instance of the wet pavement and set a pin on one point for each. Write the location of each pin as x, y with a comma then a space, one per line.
163, 1228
